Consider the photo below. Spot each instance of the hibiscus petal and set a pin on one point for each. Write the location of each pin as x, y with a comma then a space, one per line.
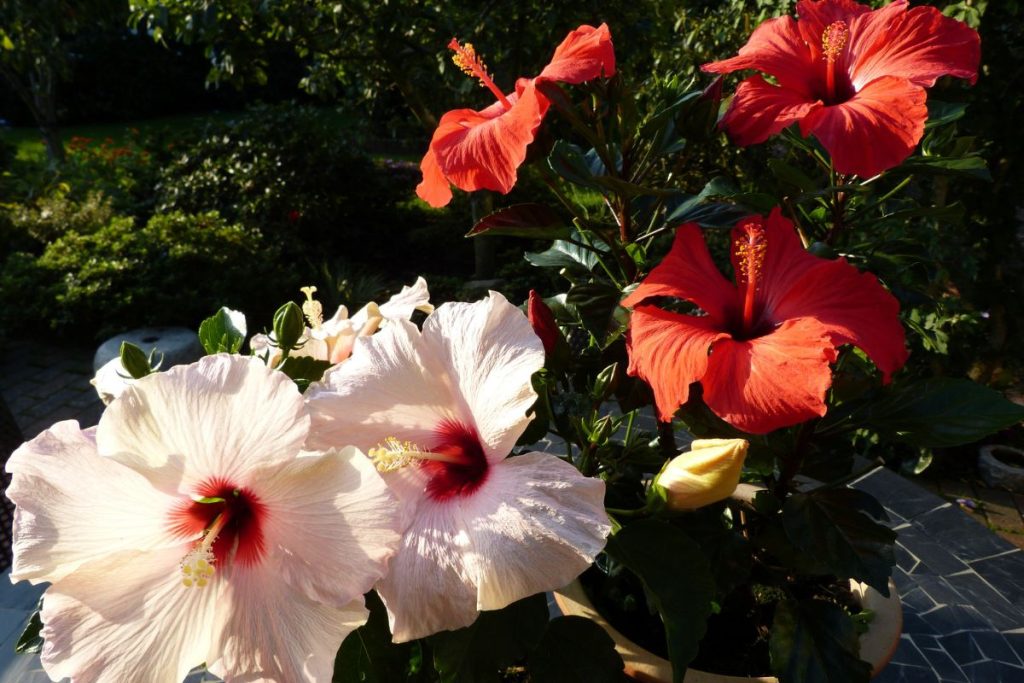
414, 297
816, 15
75, 507
434, 189
776, 48
270, 632
875, 130
919, 45
670, 351
332, 521
534, 526
482, 150
429, 587
225, 414
760, 110
585, 54
855, 309
780, 379
688, 273
128, 618
490, 352
785, 261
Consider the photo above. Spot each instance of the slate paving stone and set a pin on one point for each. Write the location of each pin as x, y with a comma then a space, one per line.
999, 611
938, 589
934, 558
993, 672
943, 665
1007, 572
994, 646
917, 600
960, 535
905, 498
901, 673
962, 648
1016, 641
907, 653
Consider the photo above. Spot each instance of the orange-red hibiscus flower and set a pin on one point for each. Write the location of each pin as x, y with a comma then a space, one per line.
852, 76
481, 150
761, 347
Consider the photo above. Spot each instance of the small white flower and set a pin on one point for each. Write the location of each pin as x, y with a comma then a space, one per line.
190, 527
439, 413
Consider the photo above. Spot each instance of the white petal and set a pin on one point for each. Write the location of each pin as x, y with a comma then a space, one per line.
332, 522
128, 618
224, 415
111, 380
271, 632
412, 298
384, 389
491, 352
429, 587
535, 525
75, 506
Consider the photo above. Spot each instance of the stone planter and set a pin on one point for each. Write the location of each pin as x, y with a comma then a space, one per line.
1000, 474
876, 646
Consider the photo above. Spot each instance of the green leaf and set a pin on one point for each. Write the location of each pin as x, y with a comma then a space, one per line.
791, 175
568, 162
30, 641
694, 209
834, 525
969, 166
677, 578
576, 650
223, 332
134, 360
208, 500
934, 413
367, 655
941, 113
564, 254
535, 221
304, 369
497, 639
815, 642
595, 302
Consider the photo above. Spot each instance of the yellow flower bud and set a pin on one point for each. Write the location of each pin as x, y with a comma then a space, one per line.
708, 473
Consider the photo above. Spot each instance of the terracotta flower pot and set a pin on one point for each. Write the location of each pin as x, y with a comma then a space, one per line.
877, 645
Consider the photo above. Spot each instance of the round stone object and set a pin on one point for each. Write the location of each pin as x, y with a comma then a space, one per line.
176, 344
998, 472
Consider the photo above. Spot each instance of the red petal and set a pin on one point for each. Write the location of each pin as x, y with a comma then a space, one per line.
785, 261
670, 351
853, 307
773, 381
919, 45
584, 55
482, 150
775, 47
875, 130
760, 110
434, 188
687, 272
816, 15
542, 320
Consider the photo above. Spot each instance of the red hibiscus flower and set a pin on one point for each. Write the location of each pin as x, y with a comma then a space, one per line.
760, 348
481, 150
852, 76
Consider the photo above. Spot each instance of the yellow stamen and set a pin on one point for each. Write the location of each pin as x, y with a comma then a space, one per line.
471, 64
312, 308
392, 455
750, 248
832, 42
197, 567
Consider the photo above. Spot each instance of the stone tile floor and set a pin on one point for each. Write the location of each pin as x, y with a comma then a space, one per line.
962, 587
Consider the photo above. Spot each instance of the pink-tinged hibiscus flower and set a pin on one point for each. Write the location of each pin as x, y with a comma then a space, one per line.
189, 527
439, 412
481, 150
761, 348
852, 76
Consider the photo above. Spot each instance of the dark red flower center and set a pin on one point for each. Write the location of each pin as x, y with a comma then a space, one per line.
465, 467
232, 516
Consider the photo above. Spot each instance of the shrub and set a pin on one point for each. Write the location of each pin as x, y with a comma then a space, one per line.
175, 270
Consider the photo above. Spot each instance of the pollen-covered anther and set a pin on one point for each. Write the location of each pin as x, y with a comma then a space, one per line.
197, 568
750, 248
392, 455
312, 309
833, 39
468, 60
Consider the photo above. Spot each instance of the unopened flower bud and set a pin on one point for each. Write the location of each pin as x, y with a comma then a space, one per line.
543, 322
708, 473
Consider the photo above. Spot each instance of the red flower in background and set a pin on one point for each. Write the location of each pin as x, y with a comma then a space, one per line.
760, 348
481, 150
852, 76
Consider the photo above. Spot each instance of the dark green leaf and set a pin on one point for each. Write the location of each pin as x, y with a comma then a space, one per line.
134, 360
791, 176
535, 221
31, 642
834, 525
815, 642
564, 254
575, 650
677, 578
367, 655
304, 369
495, 641
595, 302
694, 209
970, 166
941, 113
223, 332
934, 413
568, 162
